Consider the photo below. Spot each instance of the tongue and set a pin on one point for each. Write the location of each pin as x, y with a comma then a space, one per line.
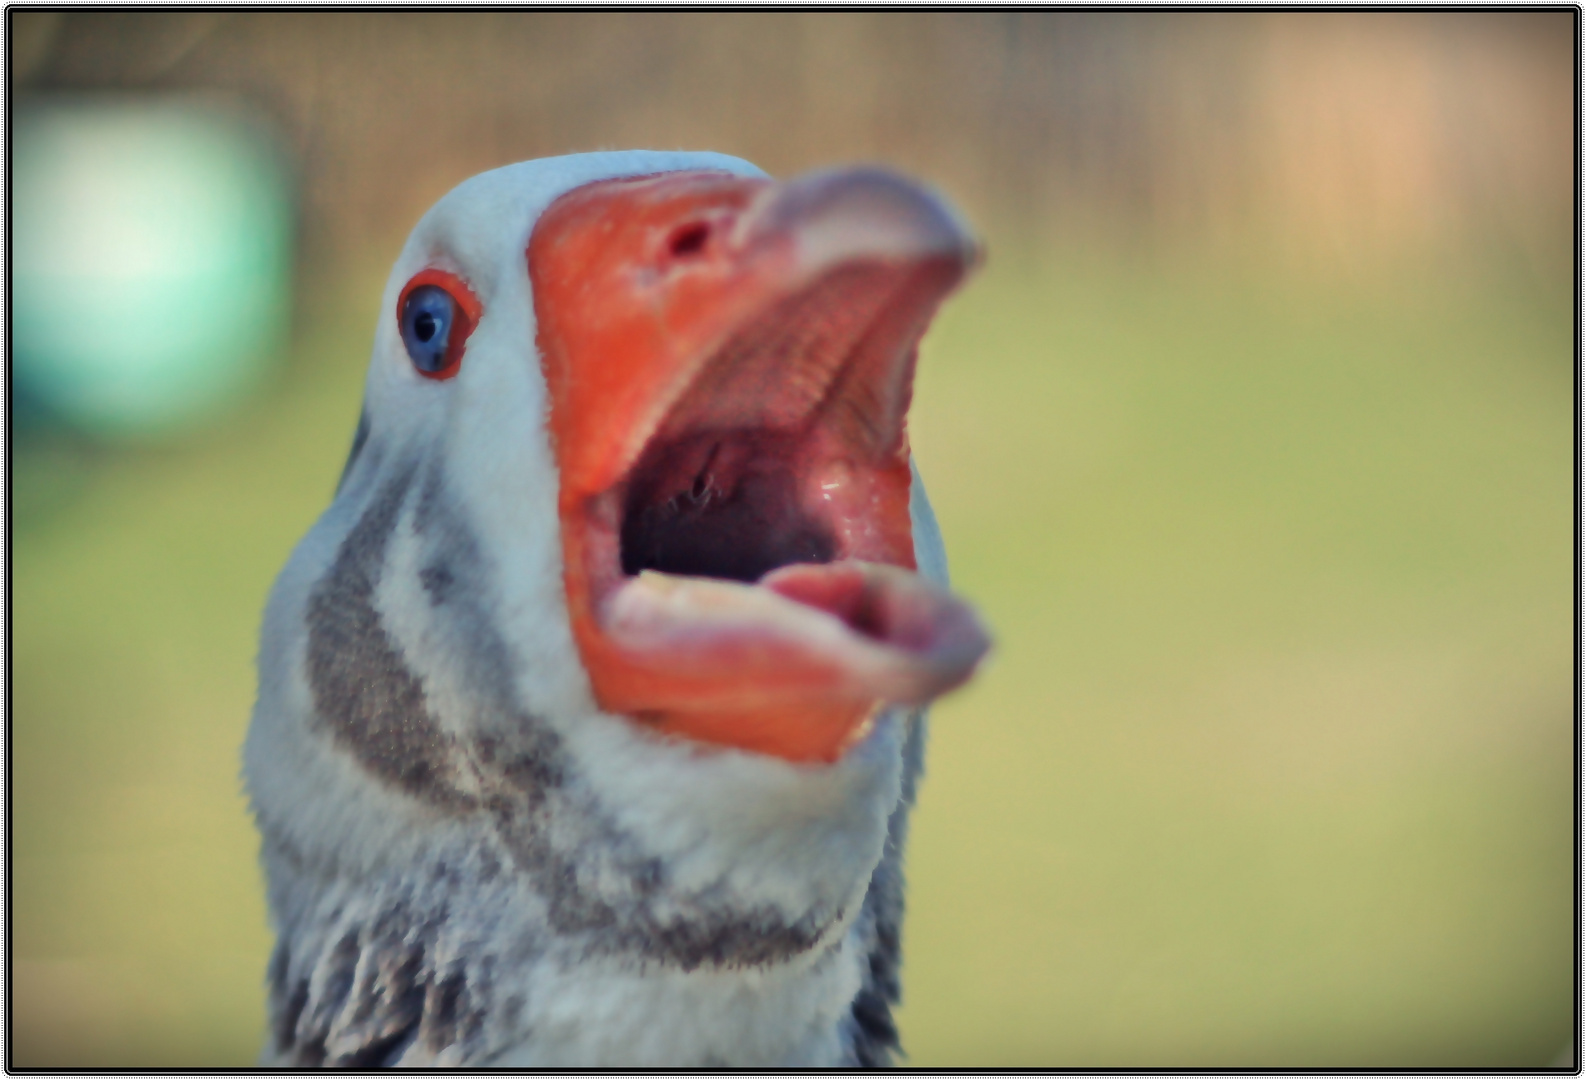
895, 610
844, 631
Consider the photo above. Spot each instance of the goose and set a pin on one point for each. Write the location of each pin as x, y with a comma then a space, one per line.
590, 711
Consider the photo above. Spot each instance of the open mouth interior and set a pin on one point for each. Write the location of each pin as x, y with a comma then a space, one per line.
787, 447
762, 538
721, 505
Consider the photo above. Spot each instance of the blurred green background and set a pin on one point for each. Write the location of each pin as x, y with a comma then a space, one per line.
1253, 441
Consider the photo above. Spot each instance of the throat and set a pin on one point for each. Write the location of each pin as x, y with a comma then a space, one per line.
721, 505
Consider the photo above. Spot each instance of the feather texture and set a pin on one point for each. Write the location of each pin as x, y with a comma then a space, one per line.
469, 862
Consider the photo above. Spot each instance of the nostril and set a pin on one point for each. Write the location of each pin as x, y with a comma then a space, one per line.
690, 239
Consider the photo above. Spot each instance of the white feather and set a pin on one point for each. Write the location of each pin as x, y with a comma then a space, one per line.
794, 838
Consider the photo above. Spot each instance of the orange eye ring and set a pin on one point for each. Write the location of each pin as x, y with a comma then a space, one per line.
464, 316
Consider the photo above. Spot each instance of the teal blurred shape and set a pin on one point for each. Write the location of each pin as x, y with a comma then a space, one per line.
151, 259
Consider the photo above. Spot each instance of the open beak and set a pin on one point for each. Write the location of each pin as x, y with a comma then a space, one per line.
730, 363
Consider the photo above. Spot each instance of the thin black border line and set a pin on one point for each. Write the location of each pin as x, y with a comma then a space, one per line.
1429, 8
1440, 7
1576, 217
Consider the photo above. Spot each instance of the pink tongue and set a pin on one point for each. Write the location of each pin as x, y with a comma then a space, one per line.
849, 630
889, 606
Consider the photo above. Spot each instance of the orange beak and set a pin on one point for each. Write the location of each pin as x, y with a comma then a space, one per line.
730, 363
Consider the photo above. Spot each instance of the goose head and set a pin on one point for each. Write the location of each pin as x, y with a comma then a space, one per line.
621, 613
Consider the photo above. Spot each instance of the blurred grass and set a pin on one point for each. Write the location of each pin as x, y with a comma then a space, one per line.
138, 916
1272, 767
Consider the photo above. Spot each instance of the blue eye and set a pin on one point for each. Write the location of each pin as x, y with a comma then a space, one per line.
427, 321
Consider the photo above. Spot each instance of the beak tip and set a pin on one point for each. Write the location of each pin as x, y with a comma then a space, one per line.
865, 212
